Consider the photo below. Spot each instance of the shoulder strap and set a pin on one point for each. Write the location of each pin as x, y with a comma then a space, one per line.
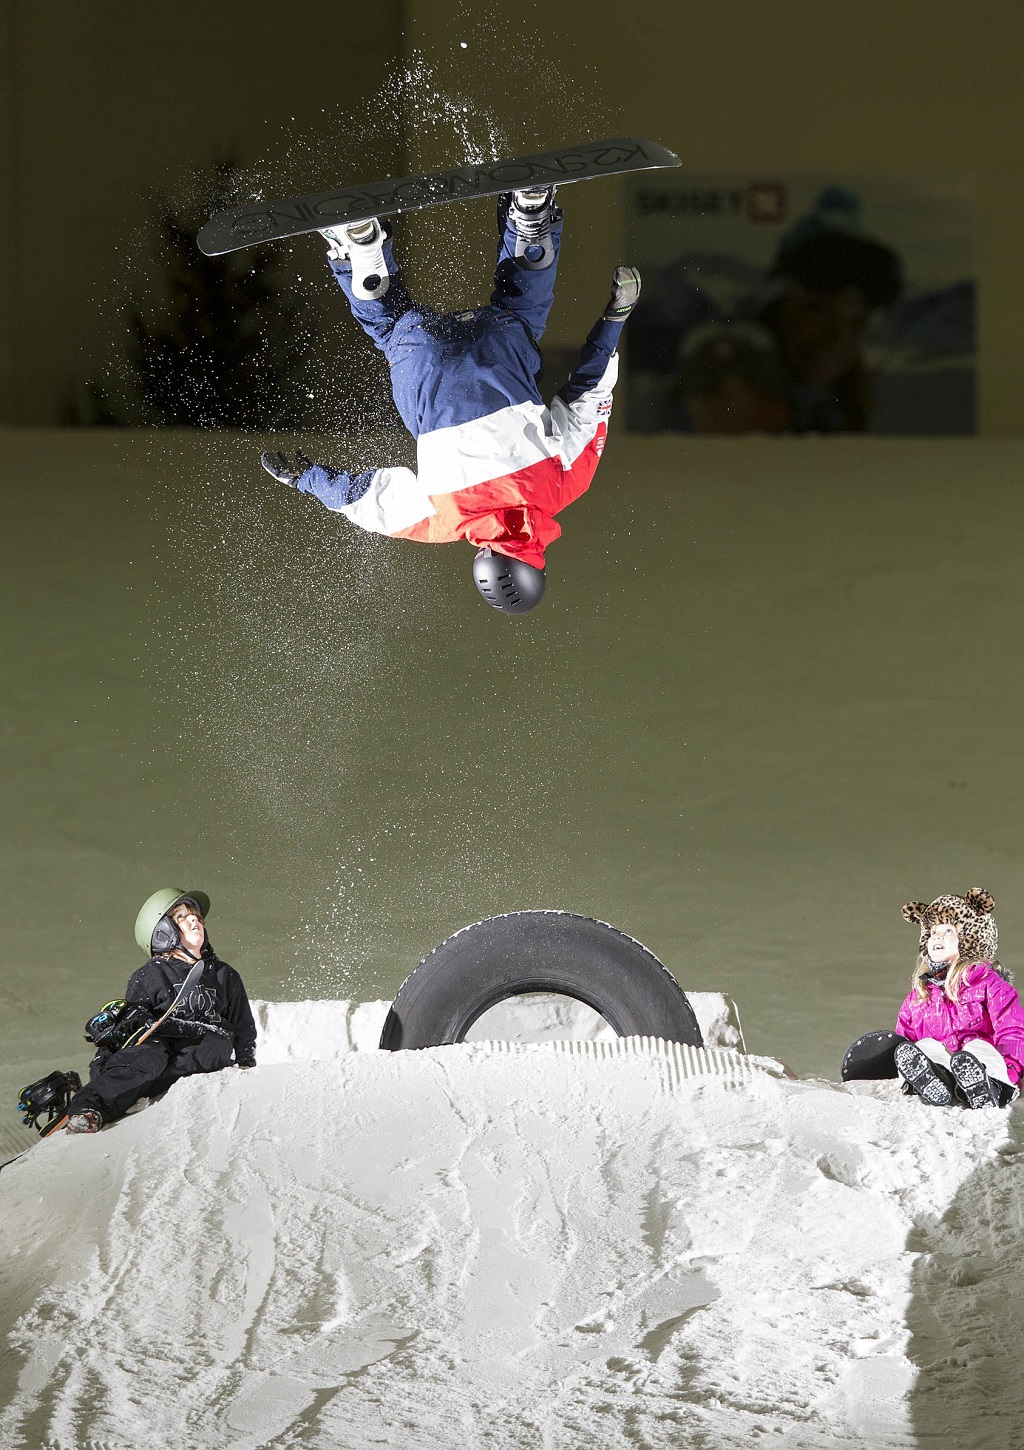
189, 982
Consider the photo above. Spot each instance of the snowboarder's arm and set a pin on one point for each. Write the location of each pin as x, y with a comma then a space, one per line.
584, 404
905, 1019
382, 501
1007, 1017
580, 426
143, 990
334, 487
590, 386
597, 371
238, 1015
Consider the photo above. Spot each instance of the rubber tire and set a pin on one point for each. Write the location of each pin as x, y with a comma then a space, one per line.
538, 951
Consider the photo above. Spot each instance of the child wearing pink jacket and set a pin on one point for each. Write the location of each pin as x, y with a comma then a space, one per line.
962, 1019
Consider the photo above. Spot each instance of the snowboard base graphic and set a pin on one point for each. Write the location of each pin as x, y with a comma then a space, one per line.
272, 221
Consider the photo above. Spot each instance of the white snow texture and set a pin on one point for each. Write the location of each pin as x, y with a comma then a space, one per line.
608, 1244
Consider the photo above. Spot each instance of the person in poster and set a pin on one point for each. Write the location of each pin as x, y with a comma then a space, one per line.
832, 333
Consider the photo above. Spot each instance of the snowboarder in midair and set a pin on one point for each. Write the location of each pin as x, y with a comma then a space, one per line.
494, 464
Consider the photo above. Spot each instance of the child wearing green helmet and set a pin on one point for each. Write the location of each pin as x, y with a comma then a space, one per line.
198, 1011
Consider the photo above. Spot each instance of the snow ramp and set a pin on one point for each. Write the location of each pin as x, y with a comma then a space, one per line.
495, 1245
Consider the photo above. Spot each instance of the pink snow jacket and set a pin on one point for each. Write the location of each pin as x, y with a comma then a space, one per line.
989, 1008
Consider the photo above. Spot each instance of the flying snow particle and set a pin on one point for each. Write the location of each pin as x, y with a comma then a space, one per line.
463, 45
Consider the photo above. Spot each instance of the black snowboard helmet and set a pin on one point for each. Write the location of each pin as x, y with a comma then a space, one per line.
510, 585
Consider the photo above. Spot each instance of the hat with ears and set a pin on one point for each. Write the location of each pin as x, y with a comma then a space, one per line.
971, 914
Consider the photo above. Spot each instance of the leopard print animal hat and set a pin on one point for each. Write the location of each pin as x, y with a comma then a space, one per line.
971, 914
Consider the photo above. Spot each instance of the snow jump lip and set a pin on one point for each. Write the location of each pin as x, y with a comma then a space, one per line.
257, 222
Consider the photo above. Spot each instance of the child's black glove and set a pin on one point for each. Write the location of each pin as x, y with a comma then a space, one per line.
279, 467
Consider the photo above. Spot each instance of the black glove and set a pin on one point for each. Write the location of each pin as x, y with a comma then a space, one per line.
625, 295
279, 467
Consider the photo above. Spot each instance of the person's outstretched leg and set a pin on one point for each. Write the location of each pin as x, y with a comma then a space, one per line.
919, 1065
211, 1054
125, 1077
528, 246
981, 1076
379, 305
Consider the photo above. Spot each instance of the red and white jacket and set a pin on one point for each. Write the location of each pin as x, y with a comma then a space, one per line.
496, 480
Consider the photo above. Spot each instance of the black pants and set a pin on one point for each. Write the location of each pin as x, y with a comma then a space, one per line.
118, 1082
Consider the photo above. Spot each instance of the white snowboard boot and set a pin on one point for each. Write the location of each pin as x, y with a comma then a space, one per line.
363, 245
531, 212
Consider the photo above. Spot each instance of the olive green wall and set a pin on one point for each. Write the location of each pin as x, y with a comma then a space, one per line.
100, 101
786, 84
103, 100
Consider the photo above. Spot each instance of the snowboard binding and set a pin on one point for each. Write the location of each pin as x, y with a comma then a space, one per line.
532, 212
362, 244
50, 1096
116, 1023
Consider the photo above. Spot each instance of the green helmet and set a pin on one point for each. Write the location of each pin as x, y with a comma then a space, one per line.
156, 907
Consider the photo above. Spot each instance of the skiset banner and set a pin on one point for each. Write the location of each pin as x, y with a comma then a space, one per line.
818, 302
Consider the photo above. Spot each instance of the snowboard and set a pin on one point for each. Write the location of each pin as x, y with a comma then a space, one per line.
871, 1057
272, 221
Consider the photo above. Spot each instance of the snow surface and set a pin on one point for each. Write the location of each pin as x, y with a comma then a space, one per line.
605, 1243
326, 1030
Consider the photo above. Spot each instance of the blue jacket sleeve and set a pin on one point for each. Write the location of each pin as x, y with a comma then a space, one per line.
334, 487
596, 355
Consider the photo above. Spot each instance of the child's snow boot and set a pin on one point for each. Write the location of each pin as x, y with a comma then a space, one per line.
363, 245
922, 1076
87, 1121
532, 212
973, 1083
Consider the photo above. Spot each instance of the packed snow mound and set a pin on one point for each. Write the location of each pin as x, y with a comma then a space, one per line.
323, 1031
499, 1245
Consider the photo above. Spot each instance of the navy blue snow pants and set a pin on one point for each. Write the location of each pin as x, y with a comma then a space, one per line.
526, 294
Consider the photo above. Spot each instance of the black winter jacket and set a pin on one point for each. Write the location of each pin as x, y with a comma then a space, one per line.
216, 1003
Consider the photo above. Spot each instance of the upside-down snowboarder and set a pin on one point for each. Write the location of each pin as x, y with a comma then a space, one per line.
494, 464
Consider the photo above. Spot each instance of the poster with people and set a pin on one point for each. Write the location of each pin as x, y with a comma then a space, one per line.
802, 303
